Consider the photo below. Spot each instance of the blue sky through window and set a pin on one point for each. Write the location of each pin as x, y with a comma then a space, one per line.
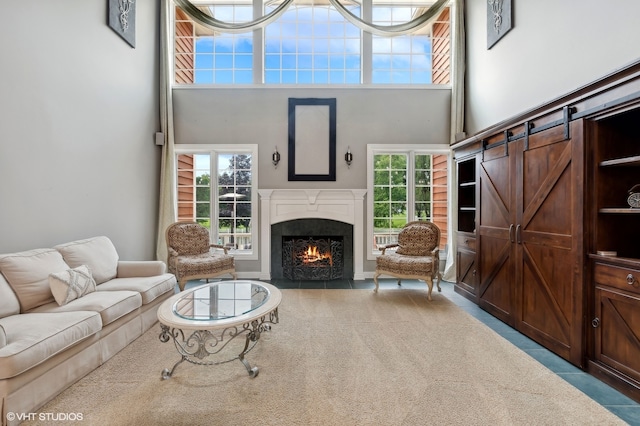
313, 44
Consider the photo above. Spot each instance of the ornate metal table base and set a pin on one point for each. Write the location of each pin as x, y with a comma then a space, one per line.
201, 345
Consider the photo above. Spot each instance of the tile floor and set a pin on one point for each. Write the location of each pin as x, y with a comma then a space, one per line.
622, 406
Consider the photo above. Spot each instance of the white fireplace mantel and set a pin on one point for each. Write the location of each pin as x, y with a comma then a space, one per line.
281, 205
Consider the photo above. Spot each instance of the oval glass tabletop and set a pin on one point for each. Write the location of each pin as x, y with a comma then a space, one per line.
221, 300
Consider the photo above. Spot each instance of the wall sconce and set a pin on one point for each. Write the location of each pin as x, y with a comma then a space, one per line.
275, 158
348, 157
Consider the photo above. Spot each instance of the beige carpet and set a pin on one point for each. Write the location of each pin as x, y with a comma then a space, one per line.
340, 357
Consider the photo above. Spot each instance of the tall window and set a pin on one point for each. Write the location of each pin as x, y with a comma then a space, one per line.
406, 184
216, 187
312, 43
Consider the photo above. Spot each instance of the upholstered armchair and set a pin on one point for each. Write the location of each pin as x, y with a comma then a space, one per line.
190, 254
416, 256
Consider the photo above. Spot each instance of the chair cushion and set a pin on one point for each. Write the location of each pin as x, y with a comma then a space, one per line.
28, 275
200, 265
98, 253
71, 284
405, 265
417, 240
33, 338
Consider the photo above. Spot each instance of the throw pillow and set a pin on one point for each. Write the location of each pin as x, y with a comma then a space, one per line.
71, 284
98, 253
28, 275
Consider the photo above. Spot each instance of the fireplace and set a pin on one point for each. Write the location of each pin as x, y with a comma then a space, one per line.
312, 258
311, 213
312, 249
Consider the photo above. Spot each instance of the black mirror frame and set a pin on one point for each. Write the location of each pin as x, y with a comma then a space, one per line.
293, 103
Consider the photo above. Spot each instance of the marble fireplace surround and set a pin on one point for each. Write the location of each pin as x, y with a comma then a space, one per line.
281, 205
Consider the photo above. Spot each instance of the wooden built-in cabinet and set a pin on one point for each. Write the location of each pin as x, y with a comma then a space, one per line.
467, 195
547, 242
615, 318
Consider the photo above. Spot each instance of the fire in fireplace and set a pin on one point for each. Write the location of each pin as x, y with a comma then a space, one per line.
312, 258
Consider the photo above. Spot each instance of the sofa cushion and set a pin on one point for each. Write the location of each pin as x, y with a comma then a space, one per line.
28, 274
71, 284
98, 253
34, 338
111, 305
10, 304
149, 288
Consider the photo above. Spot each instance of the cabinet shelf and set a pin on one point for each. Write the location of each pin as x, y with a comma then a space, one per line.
467, 209
623, 162
467, 184
619, 210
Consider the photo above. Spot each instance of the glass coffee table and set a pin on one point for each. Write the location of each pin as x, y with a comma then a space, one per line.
204, 320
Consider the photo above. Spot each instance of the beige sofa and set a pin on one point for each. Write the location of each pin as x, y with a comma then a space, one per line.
66, 310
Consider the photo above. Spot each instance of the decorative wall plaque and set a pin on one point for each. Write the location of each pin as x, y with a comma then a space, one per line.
498, 20
122, 19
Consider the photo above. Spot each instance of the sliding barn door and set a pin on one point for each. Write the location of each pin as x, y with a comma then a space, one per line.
531, 236
496, 233
549, 237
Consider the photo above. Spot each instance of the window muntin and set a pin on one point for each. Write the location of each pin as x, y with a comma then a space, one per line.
228, 201
406, 184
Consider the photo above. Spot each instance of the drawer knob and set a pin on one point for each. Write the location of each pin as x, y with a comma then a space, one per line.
631, 279
595, 323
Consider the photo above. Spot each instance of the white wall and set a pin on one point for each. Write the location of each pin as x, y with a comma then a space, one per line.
553, 48
363, 116
78, 111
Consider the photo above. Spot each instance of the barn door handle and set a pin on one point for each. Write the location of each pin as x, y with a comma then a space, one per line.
511, 232
518, 236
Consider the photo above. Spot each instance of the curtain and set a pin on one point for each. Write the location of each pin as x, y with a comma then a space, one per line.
457, 117
392, 30
166, 209
225, 27
384, 30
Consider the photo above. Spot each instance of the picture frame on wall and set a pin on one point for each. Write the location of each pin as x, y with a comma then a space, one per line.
122, 19
499, 21
312, 139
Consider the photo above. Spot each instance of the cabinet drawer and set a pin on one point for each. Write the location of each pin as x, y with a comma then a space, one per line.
618, 277
466, 242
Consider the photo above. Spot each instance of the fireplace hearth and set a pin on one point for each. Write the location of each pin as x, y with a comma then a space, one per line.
313, 258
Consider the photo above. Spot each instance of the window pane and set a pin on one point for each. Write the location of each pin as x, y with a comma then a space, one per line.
395, 59
390, 197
